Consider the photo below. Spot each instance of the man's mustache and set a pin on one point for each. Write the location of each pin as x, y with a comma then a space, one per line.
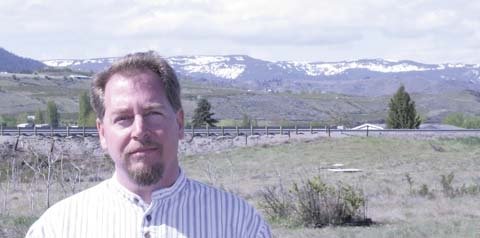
143, 146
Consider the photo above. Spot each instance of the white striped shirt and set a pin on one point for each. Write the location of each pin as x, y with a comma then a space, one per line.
186, 209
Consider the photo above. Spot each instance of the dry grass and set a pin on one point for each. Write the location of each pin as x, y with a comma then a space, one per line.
384, 163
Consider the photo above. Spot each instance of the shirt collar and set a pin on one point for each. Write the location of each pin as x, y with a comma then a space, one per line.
162, 193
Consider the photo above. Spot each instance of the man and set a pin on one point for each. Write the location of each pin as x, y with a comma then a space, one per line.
140, 121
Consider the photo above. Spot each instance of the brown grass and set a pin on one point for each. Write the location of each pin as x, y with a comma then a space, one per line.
384, 163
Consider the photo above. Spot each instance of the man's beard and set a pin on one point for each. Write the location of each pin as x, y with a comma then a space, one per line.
147, 174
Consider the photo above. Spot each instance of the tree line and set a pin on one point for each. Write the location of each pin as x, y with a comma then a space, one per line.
51, 116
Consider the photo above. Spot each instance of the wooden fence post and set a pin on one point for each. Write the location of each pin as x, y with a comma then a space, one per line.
251, 129
238, 131
266, 129
223, 131
83, 133
296, 129
208, 130
281, 130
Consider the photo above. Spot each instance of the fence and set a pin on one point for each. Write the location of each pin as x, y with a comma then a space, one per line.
242, 131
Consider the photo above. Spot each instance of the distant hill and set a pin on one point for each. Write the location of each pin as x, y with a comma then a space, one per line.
12, 63
365, 77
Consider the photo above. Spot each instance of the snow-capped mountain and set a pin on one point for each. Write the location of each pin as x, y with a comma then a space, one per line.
361, 77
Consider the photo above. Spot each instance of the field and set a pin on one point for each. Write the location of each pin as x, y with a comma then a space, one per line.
401, 179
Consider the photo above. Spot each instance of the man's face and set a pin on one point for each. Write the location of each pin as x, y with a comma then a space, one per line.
140, 130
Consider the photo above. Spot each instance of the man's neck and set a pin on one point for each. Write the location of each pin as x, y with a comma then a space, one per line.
145, 192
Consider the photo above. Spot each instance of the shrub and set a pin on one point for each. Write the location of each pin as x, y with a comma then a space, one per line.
447, 188
277, 202
424, 191
461, 120
314, 203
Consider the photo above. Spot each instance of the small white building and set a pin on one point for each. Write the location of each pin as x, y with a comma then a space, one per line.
24, 125
368, 126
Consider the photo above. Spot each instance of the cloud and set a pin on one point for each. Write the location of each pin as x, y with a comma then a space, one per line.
305, 29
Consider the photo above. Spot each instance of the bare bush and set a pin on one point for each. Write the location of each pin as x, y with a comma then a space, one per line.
277, 202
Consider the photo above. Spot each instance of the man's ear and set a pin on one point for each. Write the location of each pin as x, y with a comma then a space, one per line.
101, 134
180, 123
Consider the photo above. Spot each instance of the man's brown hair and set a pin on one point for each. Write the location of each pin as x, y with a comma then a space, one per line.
131, 64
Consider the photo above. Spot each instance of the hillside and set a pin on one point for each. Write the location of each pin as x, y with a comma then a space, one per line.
29, 92
12, 63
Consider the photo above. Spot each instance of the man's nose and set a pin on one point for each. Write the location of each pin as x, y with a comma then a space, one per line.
140, 129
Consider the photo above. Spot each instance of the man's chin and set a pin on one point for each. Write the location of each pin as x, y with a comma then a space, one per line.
143, 174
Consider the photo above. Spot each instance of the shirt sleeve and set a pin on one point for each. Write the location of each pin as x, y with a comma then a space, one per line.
36, 231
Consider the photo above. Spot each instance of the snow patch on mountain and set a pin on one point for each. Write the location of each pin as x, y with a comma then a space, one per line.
70, 62
58, 63
329, 69
219, 66
220, 70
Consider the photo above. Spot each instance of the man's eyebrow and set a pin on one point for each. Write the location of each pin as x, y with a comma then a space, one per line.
152, 106
121, 110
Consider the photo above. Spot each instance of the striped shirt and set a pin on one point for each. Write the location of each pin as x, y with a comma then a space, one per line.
186, 209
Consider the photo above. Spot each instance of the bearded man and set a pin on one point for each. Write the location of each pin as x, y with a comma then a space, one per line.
140, 122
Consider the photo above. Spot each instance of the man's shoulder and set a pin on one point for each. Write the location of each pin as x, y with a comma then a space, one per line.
228, 208
210, 192
197, 186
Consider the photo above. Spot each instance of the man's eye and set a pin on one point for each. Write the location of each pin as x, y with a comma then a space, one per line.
154, 113
121, 119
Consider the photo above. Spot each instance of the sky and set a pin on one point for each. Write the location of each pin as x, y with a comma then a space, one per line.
427, 31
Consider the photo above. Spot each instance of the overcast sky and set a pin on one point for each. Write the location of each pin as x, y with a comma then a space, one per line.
429, 31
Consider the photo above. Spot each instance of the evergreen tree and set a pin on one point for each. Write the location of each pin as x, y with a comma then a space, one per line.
402, 112
85, 110
39, 118
52, 114
202, 114
246, 120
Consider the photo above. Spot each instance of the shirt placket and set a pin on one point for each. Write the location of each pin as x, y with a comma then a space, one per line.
148, 224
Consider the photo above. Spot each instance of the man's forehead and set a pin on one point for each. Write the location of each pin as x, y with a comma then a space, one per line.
141, 79
136, 73
143, 106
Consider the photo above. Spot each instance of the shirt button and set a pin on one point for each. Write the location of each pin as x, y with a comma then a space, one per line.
148, 217
146, 235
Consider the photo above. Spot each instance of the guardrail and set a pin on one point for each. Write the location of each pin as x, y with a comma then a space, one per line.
231, 131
